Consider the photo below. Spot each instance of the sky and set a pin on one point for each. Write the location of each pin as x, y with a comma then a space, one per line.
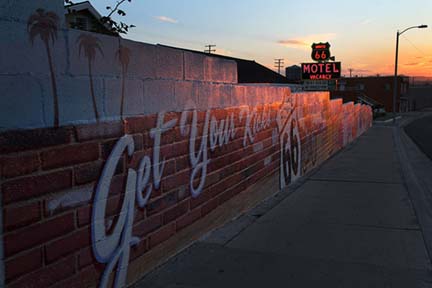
362, 34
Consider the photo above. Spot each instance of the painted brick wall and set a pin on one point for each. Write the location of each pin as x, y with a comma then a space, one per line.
59, 185
142, 155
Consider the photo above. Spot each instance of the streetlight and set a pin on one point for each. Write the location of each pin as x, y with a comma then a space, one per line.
396, 64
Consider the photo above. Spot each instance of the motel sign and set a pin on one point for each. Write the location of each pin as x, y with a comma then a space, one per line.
321, 71
321, 52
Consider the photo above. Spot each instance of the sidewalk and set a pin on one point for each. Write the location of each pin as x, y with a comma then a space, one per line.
351, 224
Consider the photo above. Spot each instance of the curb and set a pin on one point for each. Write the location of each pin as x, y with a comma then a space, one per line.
387, 121
420, 193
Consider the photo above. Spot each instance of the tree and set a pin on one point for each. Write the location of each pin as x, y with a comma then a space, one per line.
90, 45
115, 27
45, 25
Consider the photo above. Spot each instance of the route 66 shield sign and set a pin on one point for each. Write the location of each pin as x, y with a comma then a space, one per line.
320, 51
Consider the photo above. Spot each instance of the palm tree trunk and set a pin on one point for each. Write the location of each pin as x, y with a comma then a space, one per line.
53, 85
92, 91
122, 94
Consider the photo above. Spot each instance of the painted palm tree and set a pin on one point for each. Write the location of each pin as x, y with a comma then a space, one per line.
45, 25
90, 45
123, 54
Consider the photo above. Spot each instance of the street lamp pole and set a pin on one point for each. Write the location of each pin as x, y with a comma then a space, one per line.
396, 67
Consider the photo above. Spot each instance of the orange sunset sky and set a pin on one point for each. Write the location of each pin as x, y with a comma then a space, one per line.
361, 33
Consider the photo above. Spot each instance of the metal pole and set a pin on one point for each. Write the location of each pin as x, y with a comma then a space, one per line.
396, 65
395, 78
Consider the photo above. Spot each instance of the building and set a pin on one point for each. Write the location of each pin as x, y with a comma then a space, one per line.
83, 16
376, 88
419, 96
293, 73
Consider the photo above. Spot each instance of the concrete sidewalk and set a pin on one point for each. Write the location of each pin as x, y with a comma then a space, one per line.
350, 224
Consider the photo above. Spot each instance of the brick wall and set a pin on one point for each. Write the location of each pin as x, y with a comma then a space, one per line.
111, 163
70, 193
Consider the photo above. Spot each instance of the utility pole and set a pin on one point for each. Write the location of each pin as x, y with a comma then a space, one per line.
209, 49
279, 63
350, 69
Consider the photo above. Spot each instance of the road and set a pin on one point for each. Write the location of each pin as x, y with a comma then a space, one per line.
420, 132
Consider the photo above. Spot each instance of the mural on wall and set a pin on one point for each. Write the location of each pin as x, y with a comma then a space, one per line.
215, 146
90, 44
45, 25
213, 135
112, 213
113, 249
123, 55
289, 141
254, 122
347, 125
325, 119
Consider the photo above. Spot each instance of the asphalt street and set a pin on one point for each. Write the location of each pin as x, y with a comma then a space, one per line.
420, 132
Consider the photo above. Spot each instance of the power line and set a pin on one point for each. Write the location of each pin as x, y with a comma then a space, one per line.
209, 49
412, 44
279, 63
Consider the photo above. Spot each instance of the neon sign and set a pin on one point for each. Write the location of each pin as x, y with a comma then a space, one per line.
321, 51
321, 71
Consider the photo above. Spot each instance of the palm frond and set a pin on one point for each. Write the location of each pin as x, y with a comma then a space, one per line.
53, 16
80, 47
123, 54
90, 44
99, 48
43, 24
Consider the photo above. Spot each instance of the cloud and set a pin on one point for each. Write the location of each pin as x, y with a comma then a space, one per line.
292, 42
306, 41
225, 52
166, 19
360, 70
417, 65
419, 61
423, 57
366, 21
